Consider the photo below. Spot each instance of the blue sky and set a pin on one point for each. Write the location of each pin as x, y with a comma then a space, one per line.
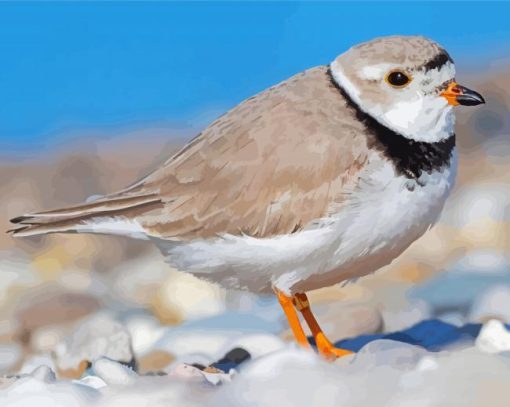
70, 66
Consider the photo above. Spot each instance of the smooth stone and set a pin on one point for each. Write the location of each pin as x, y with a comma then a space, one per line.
289, 377
183, 371
98, 336
232, 359
217, 378
465, 377
92, 381
30, 392
493, 337
154, 361
44, 374
34, 361
388, 352
113, 373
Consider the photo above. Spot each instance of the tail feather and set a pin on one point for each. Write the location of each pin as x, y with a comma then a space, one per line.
73, 219
40, 229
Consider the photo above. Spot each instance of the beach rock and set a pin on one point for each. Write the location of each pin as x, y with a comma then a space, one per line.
92, 381
188, 373
34, 361
232, 360
218, 377
185, 372
44, 374
145, 330
427, 363
159, 391
256, 345
493, 337
30, 391
465, 377
154, 361
96, 337
387, 352
289, 377
113, 373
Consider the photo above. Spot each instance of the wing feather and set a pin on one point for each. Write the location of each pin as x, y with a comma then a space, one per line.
270, 166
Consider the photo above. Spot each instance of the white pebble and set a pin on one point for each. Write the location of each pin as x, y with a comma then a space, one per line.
219, 378
427, 364
44, 374
113, 373
185, 372
97, 336
493, 337
91, 381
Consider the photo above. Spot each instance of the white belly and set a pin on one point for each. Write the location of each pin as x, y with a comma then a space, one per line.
383, 215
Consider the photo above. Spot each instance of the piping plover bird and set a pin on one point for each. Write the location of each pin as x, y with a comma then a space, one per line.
323, 178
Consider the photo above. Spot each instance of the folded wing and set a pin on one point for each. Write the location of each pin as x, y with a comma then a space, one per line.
270, 166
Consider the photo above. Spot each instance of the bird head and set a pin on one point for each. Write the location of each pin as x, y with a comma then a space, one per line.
407, 83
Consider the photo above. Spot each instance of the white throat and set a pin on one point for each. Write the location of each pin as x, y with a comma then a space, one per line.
420, 117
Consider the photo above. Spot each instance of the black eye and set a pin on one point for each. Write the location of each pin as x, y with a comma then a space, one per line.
398, 79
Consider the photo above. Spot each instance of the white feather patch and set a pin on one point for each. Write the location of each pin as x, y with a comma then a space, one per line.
117, 225
375, 72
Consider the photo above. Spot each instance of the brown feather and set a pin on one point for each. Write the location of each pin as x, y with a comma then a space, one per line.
270, 166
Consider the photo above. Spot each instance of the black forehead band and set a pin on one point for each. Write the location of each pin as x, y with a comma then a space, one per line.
437, 62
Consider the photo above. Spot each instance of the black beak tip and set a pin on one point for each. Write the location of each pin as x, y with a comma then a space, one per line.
469, 97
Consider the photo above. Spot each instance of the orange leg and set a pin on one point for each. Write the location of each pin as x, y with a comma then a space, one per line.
324, 346
292, 316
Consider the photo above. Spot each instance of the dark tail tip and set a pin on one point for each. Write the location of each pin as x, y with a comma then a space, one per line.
20, 219
14, 231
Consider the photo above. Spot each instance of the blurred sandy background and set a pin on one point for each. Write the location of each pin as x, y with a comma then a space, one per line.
48, 283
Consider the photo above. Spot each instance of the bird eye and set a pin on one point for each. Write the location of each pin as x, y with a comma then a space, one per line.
398, 79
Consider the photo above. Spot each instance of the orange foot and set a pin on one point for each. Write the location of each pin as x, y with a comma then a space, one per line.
300, 301
327, 349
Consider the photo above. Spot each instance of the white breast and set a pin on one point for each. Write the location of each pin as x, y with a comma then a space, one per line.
383, 215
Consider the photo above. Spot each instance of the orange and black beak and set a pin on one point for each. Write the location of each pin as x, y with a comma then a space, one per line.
459, 95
